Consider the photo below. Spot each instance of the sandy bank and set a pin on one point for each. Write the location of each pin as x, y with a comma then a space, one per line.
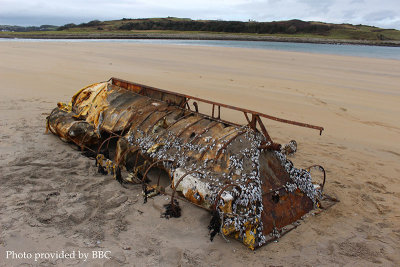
53, 199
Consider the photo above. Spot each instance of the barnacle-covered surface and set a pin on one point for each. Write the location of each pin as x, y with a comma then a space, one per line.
255, 190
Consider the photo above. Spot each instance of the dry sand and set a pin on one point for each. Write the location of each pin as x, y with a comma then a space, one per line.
52, 199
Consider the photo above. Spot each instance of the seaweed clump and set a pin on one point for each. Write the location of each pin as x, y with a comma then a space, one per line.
215, 224
172, 210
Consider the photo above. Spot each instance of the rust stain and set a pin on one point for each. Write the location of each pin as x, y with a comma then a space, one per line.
235, 170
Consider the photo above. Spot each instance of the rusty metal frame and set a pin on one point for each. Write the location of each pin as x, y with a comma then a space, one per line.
144, 89
81, 145
132, 149
107, 139
321, 169
219, 111
150, 117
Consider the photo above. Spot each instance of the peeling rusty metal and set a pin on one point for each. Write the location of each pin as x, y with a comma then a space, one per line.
235, 170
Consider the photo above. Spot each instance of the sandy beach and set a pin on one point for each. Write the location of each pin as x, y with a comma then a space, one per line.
53, 199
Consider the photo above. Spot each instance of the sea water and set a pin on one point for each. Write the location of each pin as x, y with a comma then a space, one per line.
334, 49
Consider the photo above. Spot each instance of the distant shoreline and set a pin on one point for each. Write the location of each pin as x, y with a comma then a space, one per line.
222, 37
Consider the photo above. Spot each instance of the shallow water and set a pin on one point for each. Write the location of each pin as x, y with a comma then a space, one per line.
334, 49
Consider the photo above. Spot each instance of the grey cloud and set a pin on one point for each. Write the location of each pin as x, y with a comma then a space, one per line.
386, 18
39, 20
318, 5
382, 13
350, 14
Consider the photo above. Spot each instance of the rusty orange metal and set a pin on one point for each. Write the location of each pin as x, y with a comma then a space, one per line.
234, 170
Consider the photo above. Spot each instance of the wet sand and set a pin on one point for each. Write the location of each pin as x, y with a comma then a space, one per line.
53, 199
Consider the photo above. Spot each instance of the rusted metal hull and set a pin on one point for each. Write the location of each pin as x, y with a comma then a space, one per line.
237, 171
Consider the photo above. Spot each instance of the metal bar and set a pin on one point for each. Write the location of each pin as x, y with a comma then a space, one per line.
226, 106
107, 131
321, 169
196, 107
253, 122
184, 103
83, 140
263, 130
212, 118
152, 165
247, 118
102, 144
187, 104
131, 149
76, 143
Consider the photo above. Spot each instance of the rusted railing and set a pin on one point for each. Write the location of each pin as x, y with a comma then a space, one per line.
183, 99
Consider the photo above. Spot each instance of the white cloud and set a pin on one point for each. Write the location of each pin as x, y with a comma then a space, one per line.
382, 13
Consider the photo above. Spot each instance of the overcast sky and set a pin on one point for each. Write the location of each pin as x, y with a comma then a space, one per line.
381, 13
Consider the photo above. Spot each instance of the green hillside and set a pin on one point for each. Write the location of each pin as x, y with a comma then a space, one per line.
171, 25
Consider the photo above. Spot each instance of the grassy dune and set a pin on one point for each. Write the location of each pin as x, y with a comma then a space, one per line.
295, 30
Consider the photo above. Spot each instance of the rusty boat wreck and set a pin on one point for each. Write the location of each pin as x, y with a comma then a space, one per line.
237, 172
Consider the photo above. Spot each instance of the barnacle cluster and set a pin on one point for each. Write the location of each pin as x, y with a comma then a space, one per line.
242, 170
225, 166
301, 178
